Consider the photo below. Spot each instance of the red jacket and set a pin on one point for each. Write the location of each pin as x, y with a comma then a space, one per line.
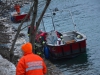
30, 64
17, 8
44, 34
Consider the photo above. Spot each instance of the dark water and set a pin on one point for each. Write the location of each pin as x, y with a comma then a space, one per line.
86, 14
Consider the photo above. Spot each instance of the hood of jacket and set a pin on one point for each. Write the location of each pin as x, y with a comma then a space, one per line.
27, 48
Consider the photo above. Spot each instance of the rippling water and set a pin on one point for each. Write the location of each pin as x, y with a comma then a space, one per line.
86, 14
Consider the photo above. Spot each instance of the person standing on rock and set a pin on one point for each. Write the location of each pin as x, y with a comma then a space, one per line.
17, 8
30, 64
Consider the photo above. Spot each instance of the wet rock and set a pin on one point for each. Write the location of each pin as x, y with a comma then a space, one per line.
52, 69
5, 38
14, 29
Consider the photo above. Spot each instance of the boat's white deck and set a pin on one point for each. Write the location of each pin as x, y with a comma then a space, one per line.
66, 37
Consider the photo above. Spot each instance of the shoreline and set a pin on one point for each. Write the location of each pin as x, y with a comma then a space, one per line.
51, 68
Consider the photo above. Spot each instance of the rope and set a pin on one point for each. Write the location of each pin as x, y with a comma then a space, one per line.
72, 20
50, 15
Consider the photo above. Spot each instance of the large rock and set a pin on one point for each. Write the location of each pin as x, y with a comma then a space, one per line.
6, 67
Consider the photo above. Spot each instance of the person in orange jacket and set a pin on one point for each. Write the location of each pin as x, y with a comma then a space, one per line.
30, 64
17, 8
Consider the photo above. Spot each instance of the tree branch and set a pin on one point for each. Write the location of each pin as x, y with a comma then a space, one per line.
19, 28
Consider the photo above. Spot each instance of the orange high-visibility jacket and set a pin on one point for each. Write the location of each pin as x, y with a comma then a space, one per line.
17, 8
31, 64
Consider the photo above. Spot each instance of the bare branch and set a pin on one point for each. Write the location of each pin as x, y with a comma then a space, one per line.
41, 16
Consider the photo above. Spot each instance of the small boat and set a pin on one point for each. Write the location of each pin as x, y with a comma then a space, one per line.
64, 44
18, 18
70, 44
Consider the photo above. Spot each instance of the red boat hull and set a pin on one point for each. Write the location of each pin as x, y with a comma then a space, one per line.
19, 18
67, 51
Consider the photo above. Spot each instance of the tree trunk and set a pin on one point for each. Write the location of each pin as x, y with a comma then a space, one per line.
33, 23
32, 40
19, 29
33, 35
43, 12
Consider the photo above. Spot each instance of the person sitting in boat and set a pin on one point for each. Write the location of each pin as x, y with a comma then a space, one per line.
17, 8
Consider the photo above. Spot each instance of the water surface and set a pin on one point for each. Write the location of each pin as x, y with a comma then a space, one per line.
86, 15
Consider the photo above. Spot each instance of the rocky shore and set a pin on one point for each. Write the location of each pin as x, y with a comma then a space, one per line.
7, 33
7, 30
6, 67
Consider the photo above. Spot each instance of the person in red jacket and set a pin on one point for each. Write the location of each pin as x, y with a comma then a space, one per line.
17, 8
30, 64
